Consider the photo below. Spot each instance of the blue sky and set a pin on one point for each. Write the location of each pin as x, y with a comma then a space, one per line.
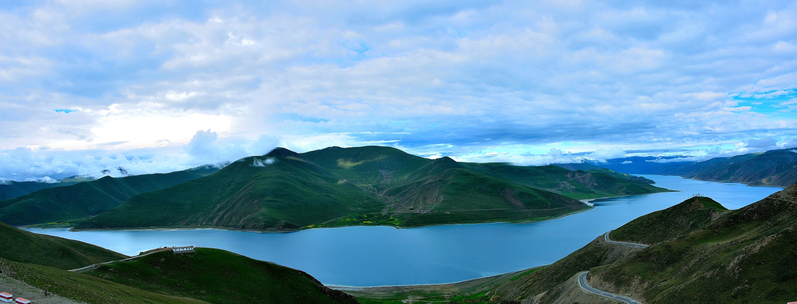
157, 86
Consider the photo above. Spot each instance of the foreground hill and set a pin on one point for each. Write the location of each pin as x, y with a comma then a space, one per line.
218, 276
699, 253
744, 256
19, 278
27, 247
81, 200
284, 190
212, 275
772, 168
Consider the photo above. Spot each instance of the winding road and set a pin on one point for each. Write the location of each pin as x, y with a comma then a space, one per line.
626, 244
582, 276
582, 281
94, 266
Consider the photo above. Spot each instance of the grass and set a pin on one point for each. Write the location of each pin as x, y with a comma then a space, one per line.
75, 202
744, 256
28, 247
218, 276
383, 186
681, 219
82, 287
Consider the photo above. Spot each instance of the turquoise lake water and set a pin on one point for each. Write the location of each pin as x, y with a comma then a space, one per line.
376, 256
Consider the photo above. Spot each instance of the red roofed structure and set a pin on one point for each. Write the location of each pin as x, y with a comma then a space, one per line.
23, 301
6, 297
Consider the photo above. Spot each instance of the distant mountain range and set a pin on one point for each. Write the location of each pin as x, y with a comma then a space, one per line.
73, 200
772, 168
284, 190
12, 189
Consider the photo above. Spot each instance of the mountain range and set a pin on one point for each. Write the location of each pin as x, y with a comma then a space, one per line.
776, 168
79, 200
285, 190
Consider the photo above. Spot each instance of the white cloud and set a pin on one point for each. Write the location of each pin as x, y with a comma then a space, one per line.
604, 154
146, 75
263, 162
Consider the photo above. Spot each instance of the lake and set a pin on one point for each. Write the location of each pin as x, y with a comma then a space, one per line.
376, 256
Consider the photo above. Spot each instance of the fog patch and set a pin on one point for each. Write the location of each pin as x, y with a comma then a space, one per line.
627, 162
602, 155
44, 180
676, 160
262, 163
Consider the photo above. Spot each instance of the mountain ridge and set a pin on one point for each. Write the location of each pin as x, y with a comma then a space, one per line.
284, 190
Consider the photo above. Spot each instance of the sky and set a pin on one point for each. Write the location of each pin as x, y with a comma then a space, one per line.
158, 86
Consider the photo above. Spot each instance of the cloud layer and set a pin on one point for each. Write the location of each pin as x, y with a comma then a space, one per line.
160, 85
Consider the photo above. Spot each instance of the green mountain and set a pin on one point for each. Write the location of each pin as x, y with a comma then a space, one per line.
27, 247
79, 287
12, 189
772, 168
699, 252
81, 200
284, 190
743, 256
218, 276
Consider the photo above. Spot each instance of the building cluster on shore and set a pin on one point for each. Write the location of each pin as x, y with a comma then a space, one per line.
9, 298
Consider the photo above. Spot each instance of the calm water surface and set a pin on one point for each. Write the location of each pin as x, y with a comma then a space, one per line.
373, 256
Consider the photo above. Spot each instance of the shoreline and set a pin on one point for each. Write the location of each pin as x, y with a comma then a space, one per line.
589, 202
366, 288
72, 229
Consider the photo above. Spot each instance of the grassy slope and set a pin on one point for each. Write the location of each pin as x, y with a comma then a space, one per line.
86, 199
27, 247
286, 194
745, 256
472, 291
673, 222
460, 195
361, 186
82, 287
661, 228
772, 168
218, 276
575, 184
17, 189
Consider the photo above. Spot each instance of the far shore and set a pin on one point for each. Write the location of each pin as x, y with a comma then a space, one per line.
172, 228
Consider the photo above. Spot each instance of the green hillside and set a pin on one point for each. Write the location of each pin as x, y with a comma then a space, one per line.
218, 276
670, 223
81, 287
81, 200
27, 247
744, 256
284, 190
575, 184
772, 168
700, 253
287, 194
12, 189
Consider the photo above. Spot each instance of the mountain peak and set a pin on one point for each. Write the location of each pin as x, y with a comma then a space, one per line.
281, 152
